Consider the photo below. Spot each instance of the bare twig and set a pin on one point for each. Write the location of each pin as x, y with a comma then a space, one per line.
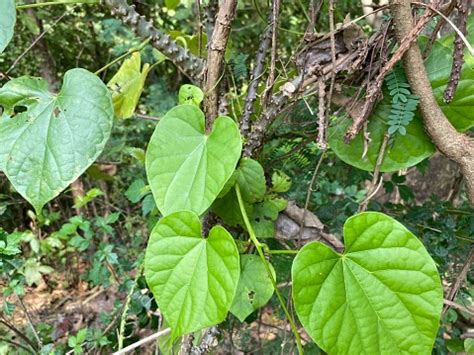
255, 80
321, 140
374, 88
35, 42
458, 53
437, 28
143, 341
459, 280
18, 345
208, 340
468, 310
30, 322
454, 145
375, 184
309, 191
271, 74
198, 10
215, 59
18, 332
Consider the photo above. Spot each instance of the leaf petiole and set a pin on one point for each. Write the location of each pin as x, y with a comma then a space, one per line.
258, 246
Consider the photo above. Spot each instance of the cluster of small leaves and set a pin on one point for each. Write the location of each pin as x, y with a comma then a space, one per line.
404, 103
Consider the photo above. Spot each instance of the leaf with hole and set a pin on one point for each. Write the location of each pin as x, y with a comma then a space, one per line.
127, 85
254, 289
382, 296
49, 140
187, 168
193, 279
190, 94
7, 22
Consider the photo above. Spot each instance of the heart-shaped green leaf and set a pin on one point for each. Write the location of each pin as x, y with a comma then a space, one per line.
382, 296
192, 278
54, 138
127, 85
7, 22
186, 168
254, 289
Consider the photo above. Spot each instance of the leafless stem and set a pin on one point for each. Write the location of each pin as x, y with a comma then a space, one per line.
143, 341
456, 146
459, 280
30, 322
321, 141
271, 74
374, 88
309, 191
375, 184
458, 53
35, 42
254, 81
215, 59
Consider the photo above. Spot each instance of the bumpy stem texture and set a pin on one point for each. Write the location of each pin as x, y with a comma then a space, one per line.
189, 64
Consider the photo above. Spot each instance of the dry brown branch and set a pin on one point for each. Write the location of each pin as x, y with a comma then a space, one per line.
254, 81
454, 145
215, 59
458, 53
271, 74
459, 280
374, 88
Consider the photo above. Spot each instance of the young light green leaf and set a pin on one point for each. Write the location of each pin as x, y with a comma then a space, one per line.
251, 179
382, 296
190, 94
55, 138
127, 85
7, 22
254, 289
280, 182
186, 168
469, 345
192, 278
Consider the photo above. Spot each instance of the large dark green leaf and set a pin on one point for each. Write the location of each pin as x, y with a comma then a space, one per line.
54, 138
382, 296
407, 150
7, 22
192, 278
416, 145
187, 168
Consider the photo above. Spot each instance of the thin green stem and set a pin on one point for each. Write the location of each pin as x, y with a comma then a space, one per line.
259, 246
126, 54
54, 3
292, 252
123, 320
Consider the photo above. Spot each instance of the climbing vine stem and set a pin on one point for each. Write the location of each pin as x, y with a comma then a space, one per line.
54, 3
259, 248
